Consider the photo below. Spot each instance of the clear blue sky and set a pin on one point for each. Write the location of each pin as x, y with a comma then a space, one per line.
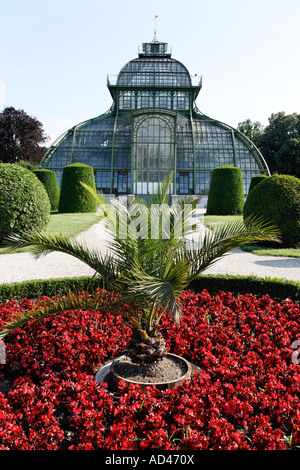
56, 55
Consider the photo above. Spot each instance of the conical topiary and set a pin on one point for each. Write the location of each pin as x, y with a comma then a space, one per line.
255, 180
226, 193
49, 180
73, 196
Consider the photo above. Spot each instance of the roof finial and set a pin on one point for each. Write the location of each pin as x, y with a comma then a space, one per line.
155, 38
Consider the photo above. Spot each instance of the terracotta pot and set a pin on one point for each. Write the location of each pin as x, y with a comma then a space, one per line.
162, 385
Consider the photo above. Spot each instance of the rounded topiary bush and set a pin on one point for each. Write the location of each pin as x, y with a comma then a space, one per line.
277, 199
24, 202
49, 180
73, 196
226, 193
255, 180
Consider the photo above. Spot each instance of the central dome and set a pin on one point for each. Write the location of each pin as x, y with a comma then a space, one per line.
154, 80
153, 69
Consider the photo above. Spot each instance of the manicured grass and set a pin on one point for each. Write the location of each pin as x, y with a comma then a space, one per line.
65, 224
71, 224
213, 220
265, 251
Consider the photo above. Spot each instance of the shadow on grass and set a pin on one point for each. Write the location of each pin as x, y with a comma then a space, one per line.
286, 263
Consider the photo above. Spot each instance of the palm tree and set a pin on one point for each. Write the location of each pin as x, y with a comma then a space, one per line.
147, 269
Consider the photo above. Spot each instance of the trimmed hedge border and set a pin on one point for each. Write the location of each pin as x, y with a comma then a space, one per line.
37, 288
277, 289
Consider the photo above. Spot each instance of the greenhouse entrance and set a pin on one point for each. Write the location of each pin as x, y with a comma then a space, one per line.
153, 152
121, 182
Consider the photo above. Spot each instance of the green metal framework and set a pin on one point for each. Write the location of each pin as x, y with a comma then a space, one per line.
153, 127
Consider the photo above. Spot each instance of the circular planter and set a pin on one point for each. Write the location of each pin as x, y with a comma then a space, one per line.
103, 375
186, 372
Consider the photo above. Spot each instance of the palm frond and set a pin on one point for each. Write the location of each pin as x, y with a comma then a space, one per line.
159, 292
98, 195
73, 301
165, 289
161, 195
44, 310
40, 244
218, 242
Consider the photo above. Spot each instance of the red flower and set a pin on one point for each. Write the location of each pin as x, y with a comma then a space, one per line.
246, 395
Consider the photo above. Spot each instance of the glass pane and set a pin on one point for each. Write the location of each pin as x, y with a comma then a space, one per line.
153, 150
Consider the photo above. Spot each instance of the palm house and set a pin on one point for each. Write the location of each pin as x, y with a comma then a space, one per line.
152, 128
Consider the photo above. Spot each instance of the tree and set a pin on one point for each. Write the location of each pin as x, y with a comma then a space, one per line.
280, 144
147, 273
20, 137
252, 130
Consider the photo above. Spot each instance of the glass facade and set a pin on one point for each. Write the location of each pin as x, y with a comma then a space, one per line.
154, 127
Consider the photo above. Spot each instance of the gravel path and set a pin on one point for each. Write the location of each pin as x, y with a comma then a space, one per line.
23, 266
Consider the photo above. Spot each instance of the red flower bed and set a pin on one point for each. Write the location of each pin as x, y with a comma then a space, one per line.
245, 397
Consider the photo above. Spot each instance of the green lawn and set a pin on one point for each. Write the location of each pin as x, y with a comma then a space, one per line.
213, 220
265, 251
71, 224
65, 224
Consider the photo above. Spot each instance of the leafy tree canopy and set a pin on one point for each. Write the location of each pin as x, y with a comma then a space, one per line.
279, 141
21, 137
252, 130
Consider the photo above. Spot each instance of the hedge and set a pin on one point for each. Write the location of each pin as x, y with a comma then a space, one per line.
49, 180
277, 289
255, 180
73, 196
277, 199
226, 193
37, 288
24, 202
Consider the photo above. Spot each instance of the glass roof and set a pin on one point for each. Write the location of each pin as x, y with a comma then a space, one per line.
154, 68
154, 71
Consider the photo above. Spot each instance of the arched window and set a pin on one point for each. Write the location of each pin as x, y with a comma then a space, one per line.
153, 151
